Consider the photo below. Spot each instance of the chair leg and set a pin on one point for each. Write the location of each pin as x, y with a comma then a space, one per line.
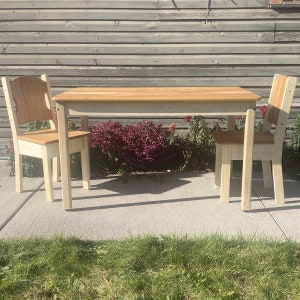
85, 164
55, 168
267, 173
19, 172
225, 174
218, 165
48, 177
278, 182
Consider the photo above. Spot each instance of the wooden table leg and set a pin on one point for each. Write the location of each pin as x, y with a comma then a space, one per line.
230, 123
64, 157
84, 121
248, 159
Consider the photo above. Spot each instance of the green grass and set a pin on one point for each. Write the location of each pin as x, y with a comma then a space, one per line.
149, 268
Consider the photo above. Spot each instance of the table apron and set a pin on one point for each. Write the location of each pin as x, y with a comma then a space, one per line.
148, 109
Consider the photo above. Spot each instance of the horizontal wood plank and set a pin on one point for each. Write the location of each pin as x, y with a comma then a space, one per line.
137, 37
154, 49
147, 14
145, 60
151, 71
146, 4
148, 26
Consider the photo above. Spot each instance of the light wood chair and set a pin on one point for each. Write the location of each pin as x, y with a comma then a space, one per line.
28, 99
268, 143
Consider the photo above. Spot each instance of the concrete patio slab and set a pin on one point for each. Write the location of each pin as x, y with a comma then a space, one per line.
10, 201
176, 204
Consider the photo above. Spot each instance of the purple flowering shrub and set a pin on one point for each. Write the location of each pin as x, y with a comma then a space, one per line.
108, 137
143, 146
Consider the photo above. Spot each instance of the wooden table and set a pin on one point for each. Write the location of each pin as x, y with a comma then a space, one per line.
127, 102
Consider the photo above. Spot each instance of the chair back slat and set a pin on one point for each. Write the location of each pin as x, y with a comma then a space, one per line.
276, 98
280, 87
279, 106
30, 97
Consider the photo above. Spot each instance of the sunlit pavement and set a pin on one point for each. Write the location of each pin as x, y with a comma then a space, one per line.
175, 204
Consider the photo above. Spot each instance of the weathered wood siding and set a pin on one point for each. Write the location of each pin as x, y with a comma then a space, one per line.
148, 42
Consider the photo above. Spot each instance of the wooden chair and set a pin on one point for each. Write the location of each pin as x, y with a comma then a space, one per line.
28, 99
268, 143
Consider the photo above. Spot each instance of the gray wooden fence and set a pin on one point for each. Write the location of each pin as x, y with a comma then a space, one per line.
149, 43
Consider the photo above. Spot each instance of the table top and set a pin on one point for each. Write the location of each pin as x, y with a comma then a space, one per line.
174, 94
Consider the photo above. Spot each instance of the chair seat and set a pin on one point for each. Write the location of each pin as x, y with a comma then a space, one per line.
237, 137
48, 136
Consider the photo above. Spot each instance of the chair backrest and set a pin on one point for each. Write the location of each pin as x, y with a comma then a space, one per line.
279, 105
28, 99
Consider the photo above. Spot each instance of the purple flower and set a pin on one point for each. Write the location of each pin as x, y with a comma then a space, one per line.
187, 118
172, 127
263, 110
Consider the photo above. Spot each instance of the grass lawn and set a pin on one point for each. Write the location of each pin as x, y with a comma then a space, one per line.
210, 267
